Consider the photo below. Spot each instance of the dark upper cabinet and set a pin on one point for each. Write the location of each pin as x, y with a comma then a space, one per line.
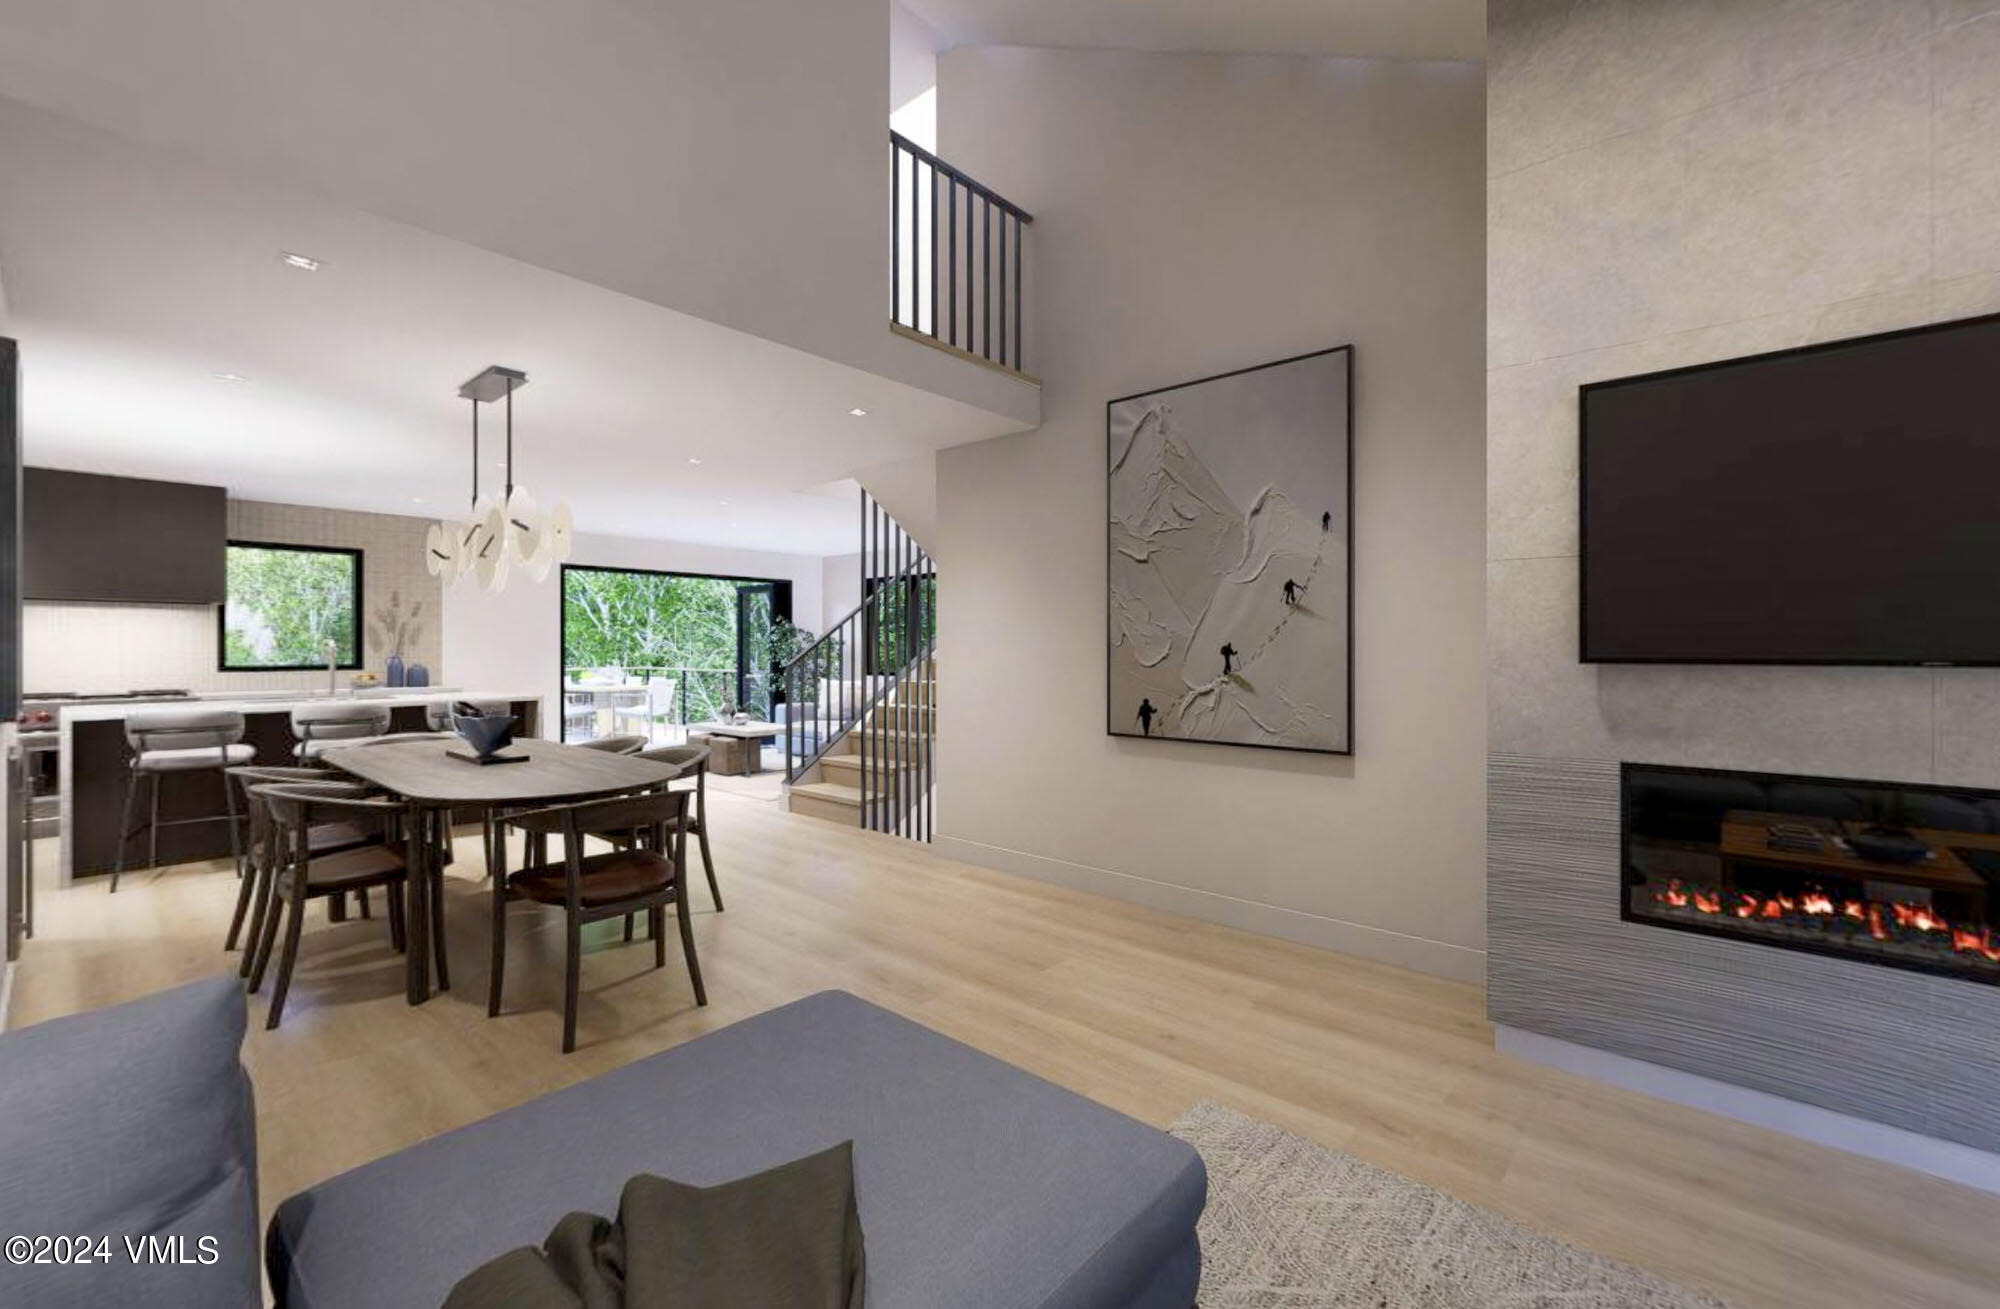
86, 537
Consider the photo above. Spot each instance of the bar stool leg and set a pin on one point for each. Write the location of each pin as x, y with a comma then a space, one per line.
153, 825
125, 827
235, 841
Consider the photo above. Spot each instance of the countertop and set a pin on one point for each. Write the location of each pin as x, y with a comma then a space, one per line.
282, 702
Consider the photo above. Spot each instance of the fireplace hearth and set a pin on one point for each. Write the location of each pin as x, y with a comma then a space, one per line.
1905, 875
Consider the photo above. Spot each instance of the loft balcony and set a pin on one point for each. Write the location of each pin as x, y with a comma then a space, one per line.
958, 261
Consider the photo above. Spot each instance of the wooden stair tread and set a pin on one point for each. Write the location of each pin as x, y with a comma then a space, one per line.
832, 792
851, 763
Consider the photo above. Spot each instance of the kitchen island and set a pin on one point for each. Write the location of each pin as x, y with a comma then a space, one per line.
92, 770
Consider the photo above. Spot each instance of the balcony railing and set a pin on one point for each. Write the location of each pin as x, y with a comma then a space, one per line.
656, 701
956, 257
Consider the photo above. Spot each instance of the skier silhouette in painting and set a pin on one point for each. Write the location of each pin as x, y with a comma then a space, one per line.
1291, 593
1228, 653
1146, 712
1326, 521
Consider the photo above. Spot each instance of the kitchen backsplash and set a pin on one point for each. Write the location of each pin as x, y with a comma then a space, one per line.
117, 647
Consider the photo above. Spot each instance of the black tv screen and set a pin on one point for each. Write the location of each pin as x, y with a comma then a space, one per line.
1837, 504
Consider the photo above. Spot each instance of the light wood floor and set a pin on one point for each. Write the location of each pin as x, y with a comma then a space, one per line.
1144, 1011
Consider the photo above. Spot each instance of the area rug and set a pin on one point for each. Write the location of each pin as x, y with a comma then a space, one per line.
1293, 1225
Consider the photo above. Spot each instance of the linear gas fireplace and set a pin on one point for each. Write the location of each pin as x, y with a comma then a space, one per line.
1891, 873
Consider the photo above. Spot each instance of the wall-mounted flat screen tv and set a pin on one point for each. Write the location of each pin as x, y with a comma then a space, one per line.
1835, 504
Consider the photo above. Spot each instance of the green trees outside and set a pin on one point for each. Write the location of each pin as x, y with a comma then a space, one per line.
662, 626
283, 605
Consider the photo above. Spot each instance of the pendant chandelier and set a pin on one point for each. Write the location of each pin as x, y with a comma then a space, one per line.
506, 530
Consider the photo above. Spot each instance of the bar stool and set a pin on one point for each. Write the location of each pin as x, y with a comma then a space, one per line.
323, 727
180, 741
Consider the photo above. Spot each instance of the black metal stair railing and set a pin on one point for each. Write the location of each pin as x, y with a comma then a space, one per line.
871, 681
956, 257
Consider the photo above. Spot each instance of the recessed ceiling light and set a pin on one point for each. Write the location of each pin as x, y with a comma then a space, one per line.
304, 263
858, 413
695, 462
418, 500
723, 503
229, 377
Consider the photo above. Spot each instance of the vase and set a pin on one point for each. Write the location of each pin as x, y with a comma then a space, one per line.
395, 677
416, 675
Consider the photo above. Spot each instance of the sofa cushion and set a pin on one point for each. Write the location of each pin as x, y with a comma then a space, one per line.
979, 1186
133, 1122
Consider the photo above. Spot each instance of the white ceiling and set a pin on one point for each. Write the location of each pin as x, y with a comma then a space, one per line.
134, 276
1400, 29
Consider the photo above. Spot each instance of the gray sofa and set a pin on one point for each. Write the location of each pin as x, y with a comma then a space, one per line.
133, 1122
980, 1186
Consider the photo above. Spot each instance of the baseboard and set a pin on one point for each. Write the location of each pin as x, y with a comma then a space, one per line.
1439, 958
1925, 1154
6, 994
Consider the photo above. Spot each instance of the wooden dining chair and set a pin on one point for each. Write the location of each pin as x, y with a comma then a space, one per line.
253, 894
693, 760
299, 875
648, 876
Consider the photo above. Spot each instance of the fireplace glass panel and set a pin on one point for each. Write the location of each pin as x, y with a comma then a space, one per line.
1897, 874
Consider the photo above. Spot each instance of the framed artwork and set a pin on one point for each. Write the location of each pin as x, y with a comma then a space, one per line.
1230, 614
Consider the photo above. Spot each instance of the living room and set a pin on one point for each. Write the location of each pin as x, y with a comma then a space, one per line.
1395, 732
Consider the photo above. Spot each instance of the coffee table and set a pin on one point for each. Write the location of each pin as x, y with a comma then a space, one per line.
752, 734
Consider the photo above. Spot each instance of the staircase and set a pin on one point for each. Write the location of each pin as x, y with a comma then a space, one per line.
861, 701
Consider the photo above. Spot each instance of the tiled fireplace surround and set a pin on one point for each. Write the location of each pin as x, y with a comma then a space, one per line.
1676, 184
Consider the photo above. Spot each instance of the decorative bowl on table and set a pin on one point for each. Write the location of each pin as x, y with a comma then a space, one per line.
487, 734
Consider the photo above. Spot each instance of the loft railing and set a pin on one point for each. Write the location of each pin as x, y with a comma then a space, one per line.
871, 677
956, 257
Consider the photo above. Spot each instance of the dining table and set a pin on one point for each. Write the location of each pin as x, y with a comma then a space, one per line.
428, 774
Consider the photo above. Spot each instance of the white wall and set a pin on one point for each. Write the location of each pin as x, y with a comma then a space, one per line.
840, 589
913, 47
1196, 214
514, 639
124, 647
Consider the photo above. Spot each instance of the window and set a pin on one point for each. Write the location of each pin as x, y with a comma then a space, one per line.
285, 602
649, 652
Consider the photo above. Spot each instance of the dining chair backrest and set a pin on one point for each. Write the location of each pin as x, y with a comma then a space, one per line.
292, 805
441, 715
688, 758
613, 744
655, 818
253, 777
182, 729
350, 721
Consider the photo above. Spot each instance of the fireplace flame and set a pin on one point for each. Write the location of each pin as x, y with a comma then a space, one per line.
1882, 922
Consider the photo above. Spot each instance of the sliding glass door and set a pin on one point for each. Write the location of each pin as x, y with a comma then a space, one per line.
649, 653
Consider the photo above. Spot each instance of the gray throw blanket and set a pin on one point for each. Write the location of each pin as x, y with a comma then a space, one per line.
788, 1237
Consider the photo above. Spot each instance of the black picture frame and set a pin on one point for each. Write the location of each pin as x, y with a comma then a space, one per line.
1111, 728
358, 557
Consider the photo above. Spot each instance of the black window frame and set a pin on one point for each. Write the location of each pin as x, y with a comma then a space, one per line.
359, 556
